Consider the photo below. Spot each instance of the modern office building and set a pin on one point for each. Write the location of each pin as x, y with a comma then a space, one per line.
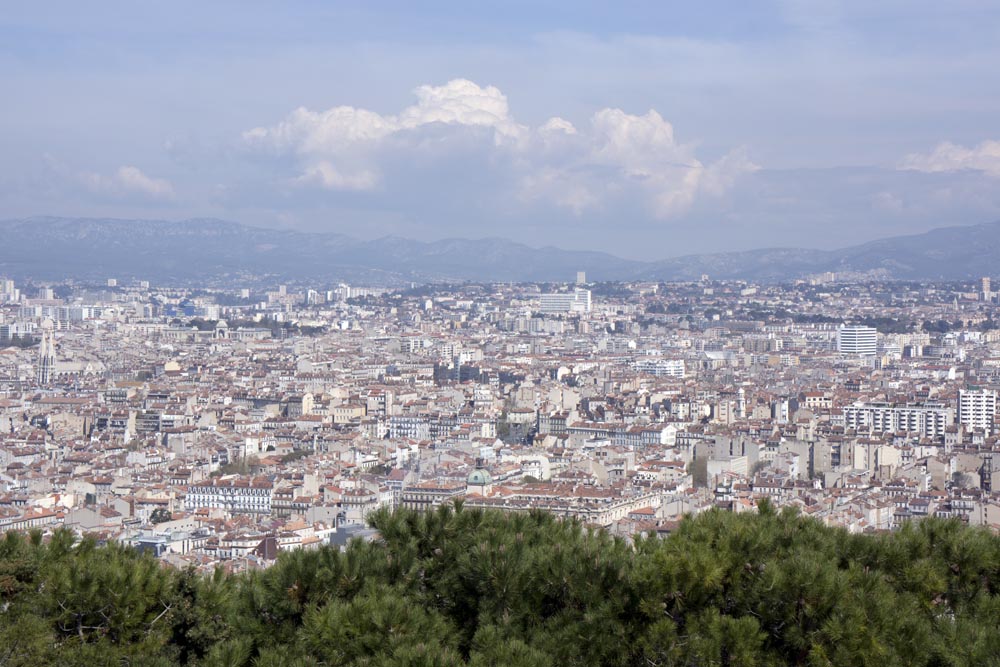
577, 301
858, 340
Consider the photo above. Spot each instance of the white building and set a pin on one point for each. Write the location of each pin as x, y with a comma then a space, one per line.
660, 367
9, 293
977, 408
857, 340
577, 301
927, 419
235, 495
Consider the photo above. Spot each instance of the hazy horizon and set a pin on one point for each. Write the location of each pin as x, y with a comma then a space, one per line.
361, 237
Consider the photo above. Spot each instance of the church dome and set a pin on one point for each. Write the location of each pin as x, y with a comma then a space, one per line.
479, 477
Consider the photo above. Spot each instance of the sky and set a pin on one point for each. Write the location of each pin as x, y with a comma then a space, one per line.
645, 129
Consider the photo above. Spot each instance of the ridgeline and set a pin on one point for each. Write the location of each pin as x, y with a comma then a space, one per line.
200, 251
463, 587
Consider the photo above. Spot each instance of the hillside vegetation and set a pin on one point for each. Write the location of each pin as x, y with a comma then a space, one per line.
462, 587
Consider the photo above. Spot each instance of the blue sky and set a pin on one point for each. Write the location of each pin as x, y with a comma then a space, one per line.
649, 129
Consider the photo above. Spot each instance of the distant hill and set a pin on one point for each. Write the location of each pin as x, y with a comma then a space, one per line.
944, 253
87, 248
947, 253
50, 248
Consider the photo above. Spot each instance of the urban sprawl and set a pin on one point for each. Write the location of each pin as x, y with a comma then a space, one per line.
223, 426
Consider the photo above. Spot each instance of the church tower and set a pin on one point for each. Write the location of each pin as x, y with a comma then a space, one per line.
46, 354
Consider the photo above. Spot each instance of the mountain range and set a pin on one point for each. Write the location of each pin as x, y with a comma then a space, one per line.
50, 248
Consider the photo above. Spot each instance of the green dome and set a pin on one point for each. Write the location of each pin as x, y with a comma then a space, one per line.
479, 477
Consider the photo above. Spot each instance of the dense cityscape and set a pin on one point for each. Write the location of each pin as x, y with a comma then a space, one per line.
226, 426
520, 334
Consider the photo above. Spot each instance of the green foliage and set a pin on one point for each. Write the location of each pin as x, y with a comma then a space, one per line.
484, 589
296, 455
379, 627
241, 466
160, 515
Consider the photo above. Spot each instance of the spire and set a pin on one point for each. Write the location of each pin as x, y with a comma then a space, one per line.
46, 354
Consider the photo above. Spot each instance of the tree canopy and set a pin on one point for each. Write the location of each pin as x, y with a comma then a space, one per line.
466, 587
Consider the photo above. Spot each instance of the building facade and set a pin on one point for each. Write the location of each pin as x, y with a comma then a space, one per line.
857, 340
577, 301
976, 409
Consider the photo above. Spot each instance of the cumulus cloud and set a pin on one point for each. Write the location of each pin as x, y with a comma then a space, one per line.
462, 102
952, 157
626, 155
459, 102
617, 154
129, 180
644, 150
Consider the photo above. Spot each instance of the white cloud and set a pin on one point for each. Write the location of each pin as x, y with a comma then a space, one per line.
325, 174
579, 169
317, 132
128, 180
461, 102
645, 150
722, 174
557, 125
458, 102
333, 143
622, 152
953, 157
628, 138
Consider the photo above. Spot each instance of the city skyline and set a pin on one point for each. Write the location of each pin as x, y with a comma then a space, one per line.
684, 129
475, 334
